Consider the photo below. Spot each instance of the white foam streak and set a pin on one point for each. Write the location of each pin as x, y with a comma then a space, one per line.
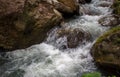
61, 63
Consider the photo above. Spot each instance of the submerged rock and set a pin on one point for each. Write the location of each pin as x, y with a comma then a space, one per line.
110, 20
74, 36
106, 50
24, 23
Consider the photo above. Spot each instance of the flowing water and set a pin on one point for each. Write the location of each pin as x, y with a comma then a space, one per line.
49, 60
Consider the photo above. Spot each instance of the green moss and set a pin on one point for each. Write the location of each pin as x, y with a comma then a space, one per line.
110, 32
117, 41
94, 74
116, 7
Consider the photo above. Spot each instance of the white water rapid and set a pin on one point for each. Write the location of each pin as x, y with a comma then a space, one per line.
48, 60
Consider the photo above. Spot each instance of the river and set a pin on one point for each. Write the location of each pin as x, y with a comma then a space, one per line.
49, 60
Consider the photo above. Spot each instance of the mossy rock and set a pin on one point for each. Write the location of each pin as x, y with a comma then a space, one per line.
110, 32
106, 50
116, 7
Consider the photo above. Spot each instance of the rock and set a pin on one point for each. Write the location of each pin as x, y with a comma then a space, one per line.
27, 22
67, 7
74, 36
110, 20
106, 50
116, 7
11, 6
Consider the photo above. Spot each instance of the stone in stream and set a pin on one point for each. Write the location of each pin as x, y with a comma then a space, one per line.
66, 7
110, 20
25, 22
74, 37
106, 51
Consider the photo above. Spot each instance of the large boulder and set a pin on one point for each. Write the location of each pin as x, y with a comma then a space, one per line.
110, 20
25, 22
74, 37
11, 6
106, 50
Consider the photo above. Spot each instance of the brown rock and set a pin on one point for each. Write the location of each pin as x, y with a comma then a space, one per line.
74, 36
11, 6
23, 27
67, 7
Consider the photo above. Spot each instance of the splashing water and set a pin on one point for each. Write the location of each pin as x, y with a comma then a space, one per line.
48, 60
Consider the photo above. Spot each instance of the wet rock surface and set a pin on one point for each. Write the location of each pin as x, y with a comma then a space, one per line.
74, 37
110, 20
106, 50
26, 22
23, 27
11, 6
68, 8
